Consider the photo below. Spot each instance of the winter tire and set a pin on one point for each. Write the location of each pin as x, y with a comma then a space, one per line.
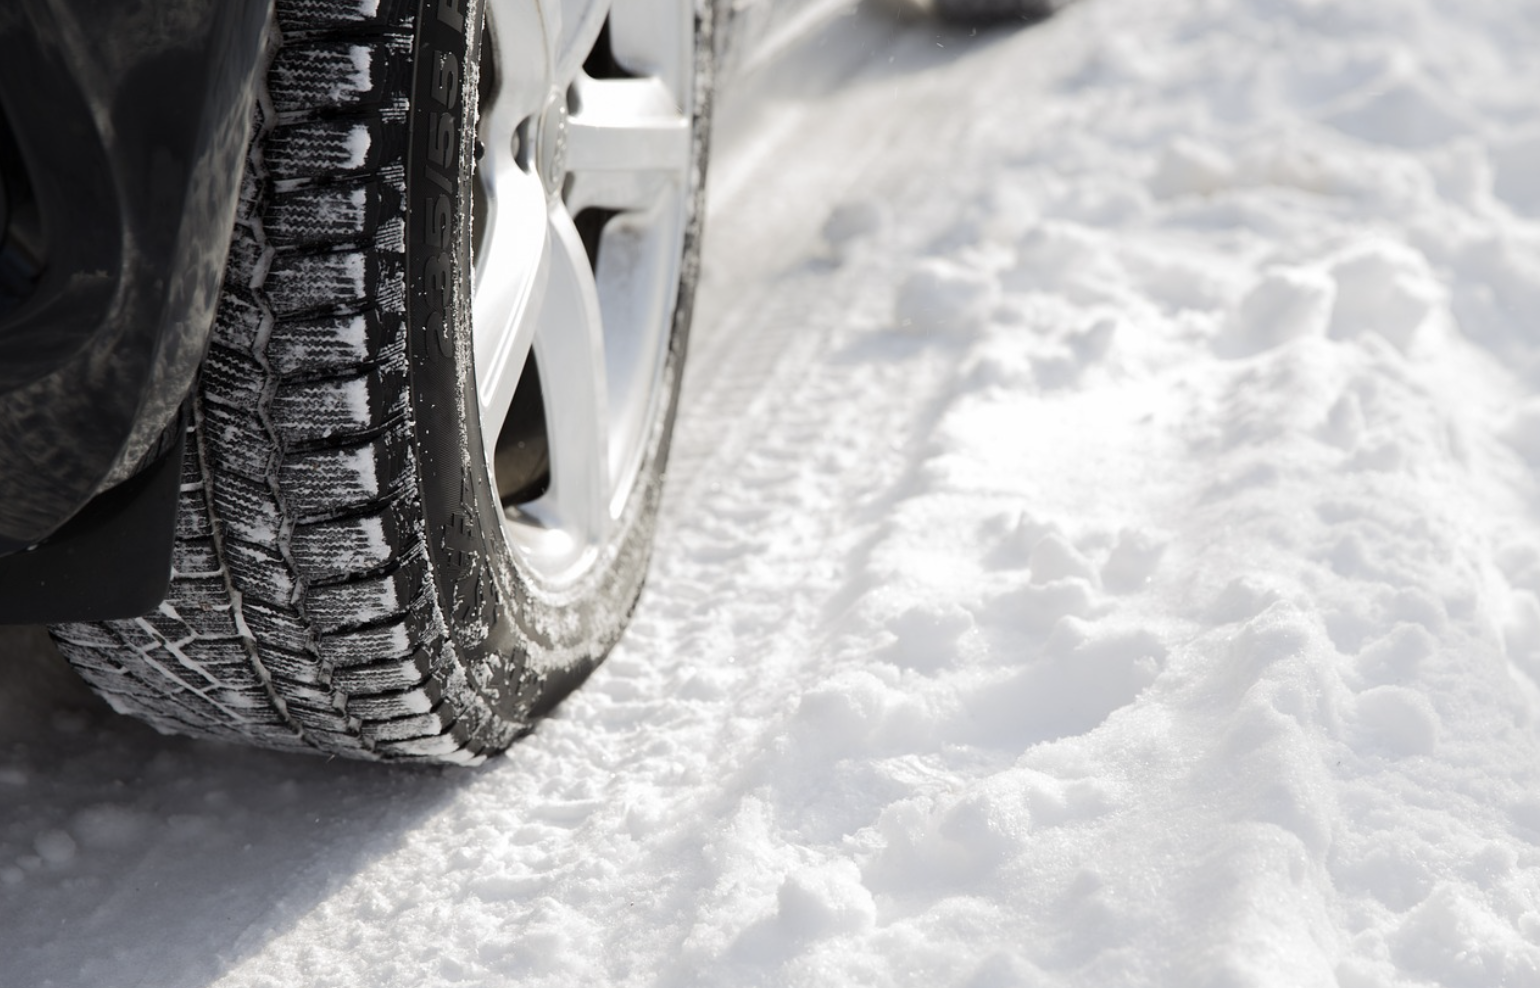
424, 460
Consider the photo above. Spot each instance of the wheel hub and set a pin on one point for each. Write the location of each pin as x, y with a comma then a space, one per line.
550, 150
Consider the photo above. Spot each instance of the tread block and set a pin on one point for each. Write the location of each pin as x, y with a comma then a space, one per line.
260, 571
237, 322
292, 667
322, 719
301, 282
246, 696
96, 666
249, 195
330, 742
326, 149
440, 748
280, 629
236, 439
230, 711
384, 677
250, 511
135, 688
328, 214
310, 695
136, 636
367, 645
369, 601
430, 724
245, 258
168, 629
307, 411
192, 470
195, 556
307, 76
280, 737
402, 703
332, 15
89, 637
334, 343
232, 378
391, 235
329, 481
390, 289
192, 515
202, 606
227, 654
331, 551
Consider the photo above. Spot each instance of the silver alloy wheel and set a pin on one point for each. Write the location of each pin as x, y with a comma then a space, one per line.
557, 143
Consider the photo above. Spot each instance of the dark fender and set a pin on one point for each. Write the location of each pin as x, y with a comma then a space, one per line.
126, 126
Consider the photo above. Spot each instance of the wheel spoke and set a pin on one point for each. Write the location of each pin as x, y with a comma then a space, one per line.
627, 142
651, 38
569, 350
512, 271
523, 47
581, 21
638, 304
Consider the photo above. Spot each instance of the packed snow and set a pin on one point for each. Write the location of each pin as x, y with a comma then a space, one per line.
1101, 549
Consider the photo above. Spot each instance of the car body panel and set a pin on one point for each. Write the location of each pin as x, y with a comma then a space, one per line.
131, 117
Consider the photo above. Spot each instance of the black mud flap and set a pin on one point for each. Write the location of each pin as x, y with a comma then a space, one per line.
112, 560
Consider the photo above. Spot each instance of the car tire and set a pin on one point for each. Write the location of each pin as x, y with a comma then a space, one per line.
425, 455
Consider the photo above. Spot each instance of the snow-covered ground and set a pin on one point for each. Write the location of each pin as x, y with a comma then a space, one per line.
1102, 549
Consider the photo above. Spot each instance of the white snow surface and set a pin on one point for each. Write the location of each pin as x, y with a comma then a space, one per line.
1101, 549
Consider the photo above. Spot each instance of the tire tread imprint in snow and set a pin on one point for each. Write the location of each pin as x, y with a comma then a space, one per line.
301, 614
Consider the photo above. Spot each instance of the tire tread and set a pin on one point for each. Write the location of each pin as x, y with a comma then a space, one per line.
299, 615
